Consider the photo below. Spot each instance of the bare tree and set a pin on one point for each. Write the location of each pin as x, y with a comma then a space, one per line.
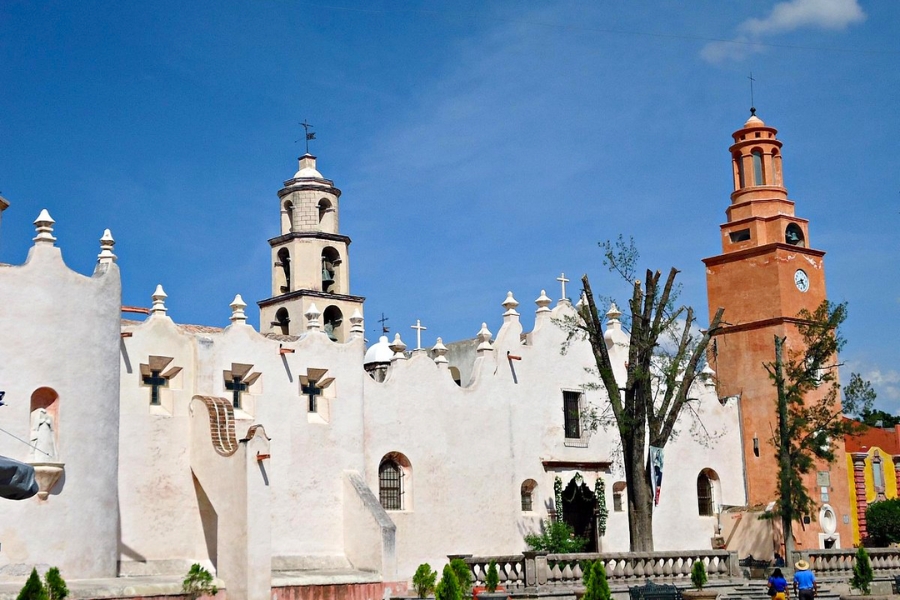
646, 406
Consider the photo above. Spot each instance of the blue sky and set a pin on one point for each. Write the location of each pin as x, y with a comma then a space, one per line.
481, 146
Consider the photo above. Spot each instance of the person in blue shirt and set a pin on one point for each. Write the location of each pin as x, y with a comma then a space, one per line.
804, 581
777, 585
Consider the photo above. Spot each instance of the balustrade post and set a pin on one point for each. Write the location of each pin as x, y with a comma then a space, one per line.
734, 569
535, 570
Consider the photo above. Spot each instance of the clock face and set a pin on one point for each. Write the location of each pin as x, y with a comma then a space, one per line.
801, 280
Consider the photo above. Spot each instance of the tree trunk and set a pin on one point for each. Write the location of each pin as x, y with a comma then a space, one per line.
640, 494
784, 456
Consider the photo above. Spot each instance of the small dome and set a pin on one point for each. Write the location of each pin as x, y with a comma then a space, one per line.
754, 121
379, 352
307, 168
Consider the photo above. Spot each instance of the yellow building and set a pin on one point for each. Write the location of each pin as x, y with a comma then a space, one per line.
873, 468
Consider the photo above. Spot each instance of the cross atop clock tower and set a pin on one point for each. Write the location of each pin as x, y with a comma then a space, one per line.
767, 272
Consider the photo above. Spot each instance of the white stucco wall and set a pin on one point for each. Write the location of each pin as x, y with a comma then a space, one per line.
60, 329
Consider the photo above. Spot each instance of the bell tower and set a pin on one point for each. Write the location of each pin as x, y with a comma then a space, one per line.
310, 260
767, 272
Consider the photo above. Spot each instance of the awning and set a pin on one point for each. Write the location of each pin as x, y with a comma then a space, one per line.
16, 479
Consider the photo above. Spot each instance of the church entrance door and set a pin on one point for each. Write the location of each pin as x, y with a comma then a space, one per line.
579, 504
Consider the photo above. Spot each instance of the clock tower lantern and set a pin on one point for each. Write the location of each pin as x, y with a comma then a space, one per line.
767, 272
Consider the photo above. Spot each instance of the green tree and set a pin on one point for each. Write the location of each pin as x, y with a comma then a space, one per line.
199, 582
698, 575
33, 588
448, 587
596, 586
862, 572
647, 404
463, 575
55, 585
883, 523
879, 418
556, 537
424, 580
492, 578
810, 414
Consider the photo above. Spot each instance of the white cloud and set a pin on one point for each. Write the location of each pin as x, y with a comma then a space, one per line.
784, 17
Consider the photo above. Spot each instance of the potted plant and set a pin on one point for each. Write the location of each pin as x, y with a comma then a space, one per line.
595, 585
491, 589
463, 576
448, 587
424, 580
862, 572
698, 580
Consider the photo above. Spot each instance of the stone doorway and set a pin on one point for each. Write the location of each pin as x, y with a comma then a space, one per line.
579, 506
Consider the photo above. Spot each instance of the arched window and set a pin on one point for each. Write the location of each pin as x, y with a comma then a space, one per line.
527, 494
457, 378
287, 222
324, 207
331, 262
706, 492
393, 476
283, 321
757, 157
284, 260
618, 491
877, 473
793, 235
739, 169
333, 323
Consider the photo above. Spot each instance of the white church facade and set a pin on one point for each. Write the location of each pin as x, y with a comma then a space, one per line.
294, 454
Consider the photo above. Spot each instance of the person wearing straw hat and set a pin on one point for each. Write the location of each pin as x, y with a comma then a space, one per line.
804, 581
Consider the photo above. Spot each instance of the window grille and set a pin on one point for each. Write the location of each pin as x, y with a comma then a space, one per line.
390, 485
572, 412
618, 491
704, 495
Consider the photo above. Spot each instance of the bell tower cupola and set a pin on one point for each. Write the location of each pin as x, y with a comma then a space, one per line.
310, 260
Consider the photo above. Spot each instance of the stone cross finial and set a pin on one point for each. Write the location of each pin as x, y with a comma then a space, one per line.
440, 353
237, 310
562, 280
419, 329
510, 305
543, 303
356, 323
44, 225
398, 347
312, 317
484, 339
107, 242
159, 301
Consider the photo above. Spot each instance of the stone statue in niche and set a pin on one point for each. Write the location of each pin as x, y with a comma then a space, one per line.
43, 437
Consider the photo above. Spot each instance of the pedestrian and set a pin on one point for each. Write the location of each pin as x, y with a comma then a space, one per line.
777, 585
804, 581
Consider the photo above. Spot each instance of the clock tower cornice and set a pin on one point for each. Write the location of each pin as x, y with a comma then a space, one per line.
758, 251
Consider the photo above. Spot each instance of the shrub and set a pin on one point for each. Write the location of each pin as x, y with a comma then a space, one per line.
448, 587
595, 584
698, 575
492, 579
463, 575
883, 522
33, 588
199, 582
557, 537
424, 580
55, 585
862, 572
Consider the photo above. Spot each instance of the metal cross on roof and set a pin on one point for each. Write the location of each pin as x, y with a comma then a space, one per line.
309, 135
383, 320
752, 104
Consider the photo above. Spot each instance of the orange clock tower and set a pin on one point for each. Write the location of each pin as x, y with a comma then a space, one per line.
767, 272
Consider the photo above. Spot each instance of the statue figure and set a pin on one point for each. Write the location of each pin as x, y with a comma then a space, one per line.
43, 438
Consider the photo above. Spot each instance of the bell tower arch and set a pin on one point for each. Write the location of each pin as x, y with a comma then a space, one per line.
310, 258
767, 272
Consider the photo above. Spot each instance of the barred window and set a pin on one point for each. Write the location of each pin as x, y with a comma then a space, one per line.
618, 491
704, 495
527, 492
390, 485
572, 414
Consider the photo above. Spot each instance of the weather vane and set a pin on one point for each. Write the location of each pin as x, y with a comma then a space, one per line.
310, 135
752, 103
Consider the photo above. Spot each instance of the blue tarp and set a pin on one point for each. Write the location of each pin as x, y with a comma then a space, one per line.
16, 480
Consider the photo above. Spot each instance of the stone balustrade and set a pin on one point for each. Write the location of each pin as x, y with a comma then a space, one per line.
839, 563
540, 570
